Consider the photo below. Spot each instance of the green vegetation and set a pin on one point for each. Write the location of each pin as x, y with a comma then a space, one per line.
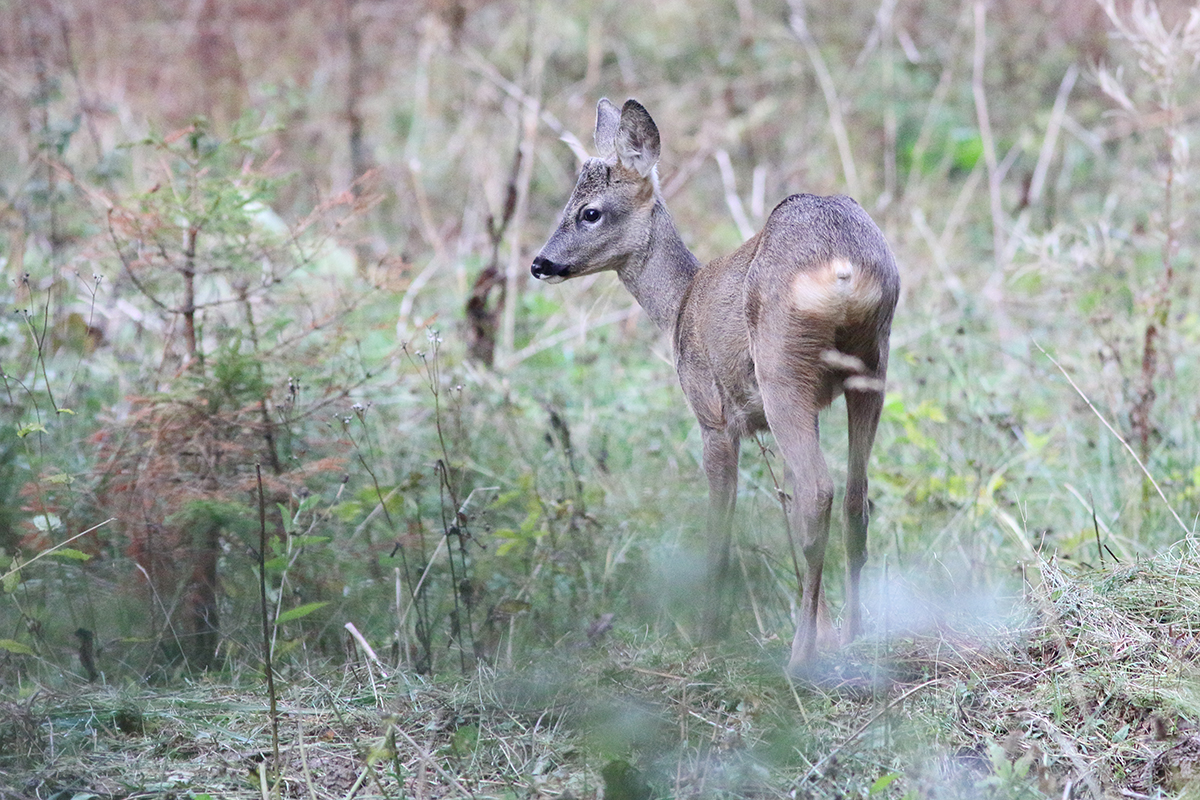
289, 241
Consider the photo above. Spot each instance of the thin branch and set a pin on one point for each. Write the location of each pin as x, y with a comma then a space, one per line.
815, 770
985, 132
410, 297
24, 564
689, 168
477, 62
268, 661
1049, 144
928, 124
368, 651
546, 342
758, 192
1045, 156
731, 196
1186, 531
959, 209
427, 758
516, 269
940, 259
825, 80
885, 20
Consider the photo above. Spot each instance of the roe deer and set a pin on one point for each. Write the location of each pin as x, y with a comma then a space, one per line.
765, 337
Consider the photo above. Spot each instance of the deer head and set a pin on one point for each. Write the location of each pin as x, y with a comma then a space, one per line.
607, 222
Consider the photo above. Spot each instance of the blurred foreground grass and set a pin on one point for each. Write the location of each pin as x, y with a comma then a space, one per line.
1089, 688
282, 284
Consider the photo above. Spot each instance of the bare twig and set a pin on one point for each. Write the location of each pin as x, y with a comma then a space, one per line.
308, 778
268, 668
428, 228
959, 209
410, 297
366, 648
928, 126
516, 263
832, 754
685, 172
836, 123
1186, 531
541, 343
758, 192
887, 10
48, 551
940, 259
731, 196
416, 591
477, 62
427, 758
985, 133
1049, 144
1045, 156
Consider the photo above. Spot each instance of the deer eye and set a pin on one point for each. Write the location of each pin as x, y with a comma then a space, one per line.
590, 215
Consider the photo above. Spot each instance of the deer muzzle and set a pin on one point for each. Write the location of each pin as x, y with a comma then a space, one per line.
546, 270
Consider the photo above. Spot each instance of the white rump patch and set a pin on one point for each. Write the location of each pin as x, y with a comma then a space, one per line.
813, 291
837, 291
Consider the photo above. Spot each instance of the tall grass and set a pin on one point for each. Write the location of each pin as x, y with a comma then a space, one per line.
180, 310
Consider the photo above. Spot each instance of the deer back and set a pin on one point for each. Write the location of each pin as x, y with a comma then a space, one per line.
816, 289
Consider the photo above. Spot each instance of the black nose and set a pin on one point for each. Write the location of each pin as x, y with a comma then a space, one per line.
545, 268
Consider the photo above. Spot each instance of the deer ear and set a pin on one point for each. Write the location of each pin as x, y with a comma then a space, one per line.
608, 117
637, 139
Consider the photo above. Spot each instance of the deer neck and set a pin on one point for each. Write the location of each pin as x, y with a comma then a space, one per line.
662, 277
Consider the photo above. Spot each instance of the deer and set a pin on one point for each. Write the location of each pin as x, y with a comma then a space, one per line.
764, 338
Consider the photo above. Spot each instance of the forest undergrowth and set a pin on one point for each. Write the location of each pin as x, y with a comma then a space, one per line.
305, 491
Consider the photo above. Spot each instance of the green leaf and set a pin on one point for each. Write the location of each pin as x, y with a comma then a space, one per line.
349, 511
289, 519
967, 146
285, 646
33, 427
465, 741
882, 782
70, 553
13, 646
512, 606
300, 611
279, 562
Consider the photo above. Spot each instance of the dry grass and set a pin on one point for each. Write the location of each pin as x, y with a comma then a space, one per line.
1092, 696
1091, 693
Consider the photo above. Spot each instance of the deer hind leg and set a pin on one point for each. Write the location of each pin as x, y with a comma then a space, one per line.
826, 635
791, 407
863, 408
720, 466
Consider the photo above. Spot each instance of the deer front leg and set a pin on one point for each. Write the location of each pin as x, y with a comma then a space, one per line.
720, 465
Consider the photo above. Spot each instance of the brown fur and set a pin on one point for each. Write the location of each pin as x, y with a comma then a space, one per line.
765, 337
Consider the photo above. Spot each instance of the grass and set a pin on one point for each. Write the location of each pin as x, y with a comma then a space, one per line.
188, 303
1089, 688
